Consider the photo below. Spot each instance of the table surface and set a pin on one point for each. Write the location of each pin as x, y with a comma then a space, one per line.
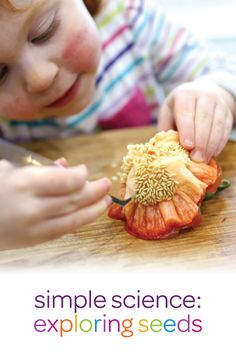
105, 244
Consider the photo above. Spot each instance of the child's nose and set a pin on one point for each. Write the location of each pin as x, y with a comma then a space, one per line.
40, 77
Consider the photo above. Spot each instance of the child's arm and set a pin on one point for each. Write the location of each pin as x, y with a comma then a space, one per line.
203, 110
40, 204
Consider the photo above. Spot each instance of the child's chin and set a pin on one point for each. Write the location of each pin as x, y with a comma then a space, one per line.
73, 109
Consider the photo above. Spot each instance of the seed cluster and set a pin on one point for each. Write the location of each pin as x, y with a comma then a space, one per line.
153, 184
173, 150
150, 161
137, 154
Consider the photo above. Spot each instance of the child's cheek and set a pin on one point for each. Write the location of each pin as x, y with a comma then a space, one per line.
18, 108
82, 52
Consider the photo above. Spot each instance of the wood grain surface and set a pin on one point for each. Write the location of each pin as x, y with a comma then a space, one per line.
105, 244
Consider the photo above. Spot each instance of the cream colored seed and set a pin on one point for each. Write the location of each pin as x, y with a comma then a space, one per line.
153, 182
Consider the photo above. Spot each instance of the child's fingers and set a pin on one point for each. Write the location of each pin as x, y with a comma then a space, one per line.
69, 223
184, 108
52, 181
91, 193
217, 131
7, 165
203, 121
226, 133
62, 205
165, 118
62, 162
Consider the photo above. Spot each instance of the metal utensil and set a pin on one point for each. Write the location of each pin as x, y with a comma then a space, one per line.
120, 202
20, 156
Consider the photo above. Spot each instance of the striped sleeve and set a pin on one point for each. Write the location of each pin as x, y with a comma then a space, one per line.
175, 55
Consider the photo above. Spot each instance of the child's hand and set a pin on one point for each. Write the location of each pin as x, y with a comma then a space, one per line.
39, 204
203, 114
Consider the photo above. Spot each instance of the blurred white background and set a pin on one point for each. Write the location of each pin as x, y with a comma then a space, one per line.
211, 19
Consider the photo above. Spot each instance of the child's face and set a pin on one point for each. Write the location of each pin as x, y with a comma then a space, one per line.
49, 54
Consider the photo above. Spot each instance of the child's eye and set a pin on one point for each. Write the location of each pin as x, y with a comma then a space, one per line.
3, 72
46, 35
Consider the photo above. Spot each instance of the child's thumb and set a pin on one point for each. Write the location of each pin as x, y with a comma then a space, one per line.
165, 119
62, 162
6, 164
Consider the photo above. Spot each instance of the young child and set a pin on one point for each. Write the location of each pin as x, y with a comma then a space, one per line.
63, 72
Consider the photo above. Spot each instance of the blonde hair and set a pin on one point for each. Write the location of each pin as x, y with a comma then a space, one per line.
16, 5
93, 6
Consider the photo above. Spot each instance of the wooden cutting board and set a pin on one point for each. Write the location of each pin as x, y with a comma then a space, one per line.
104, 243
